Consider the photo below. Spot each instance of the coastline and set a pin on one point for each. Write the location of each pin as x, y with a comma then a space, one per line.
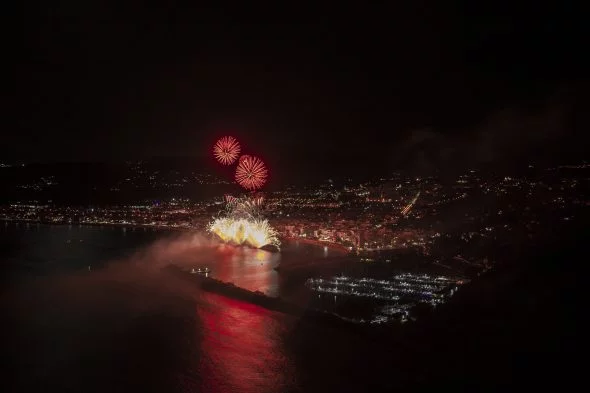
100, 224
318, 243
227, 289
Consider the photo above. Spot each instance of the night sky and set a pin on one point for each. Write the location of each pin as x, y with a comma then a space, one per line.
413, 84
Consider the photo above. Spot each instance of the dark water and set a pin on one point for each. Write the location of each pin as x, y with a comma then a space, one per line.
126, 325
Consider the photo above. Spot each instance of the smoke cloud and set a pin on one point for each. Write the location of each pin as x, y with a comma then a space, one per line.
511, 135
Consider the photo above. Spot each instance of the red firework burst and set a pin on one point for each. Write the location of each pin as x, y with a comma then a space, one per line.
227, 150
251, 173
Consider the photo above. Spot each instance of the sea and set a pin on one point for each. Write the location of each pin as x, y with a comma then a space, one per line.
91, 309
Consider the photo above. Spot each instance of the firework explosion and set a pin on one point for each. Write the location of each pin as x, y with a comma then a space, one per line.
242, 223
227, 150
254, 233
251, 173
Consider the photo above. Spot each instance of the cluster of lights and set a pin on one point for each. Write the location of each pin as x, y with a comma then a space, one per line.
422, 286
394, 297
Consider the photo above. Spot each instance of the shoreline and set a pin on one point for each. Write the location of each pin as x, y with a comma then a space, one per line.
228, 289
99, 224
318, 243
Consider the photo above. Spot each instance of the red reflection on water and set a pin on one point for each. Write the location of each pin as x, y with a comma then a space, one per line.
248, 268
223, 267
241, 348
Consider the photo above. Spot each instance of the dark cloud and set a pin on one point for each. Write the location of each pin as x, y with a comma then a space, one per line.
509, 136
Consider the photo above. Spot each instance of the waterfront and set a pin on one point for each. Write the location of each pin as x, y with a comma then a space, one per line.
284, 274
35, 249
128, 324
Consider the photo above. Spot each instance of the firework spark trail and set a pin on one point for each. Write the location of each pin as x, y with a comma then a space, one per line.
229, 199
227, 150
407, 209
246, 207
251, 173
